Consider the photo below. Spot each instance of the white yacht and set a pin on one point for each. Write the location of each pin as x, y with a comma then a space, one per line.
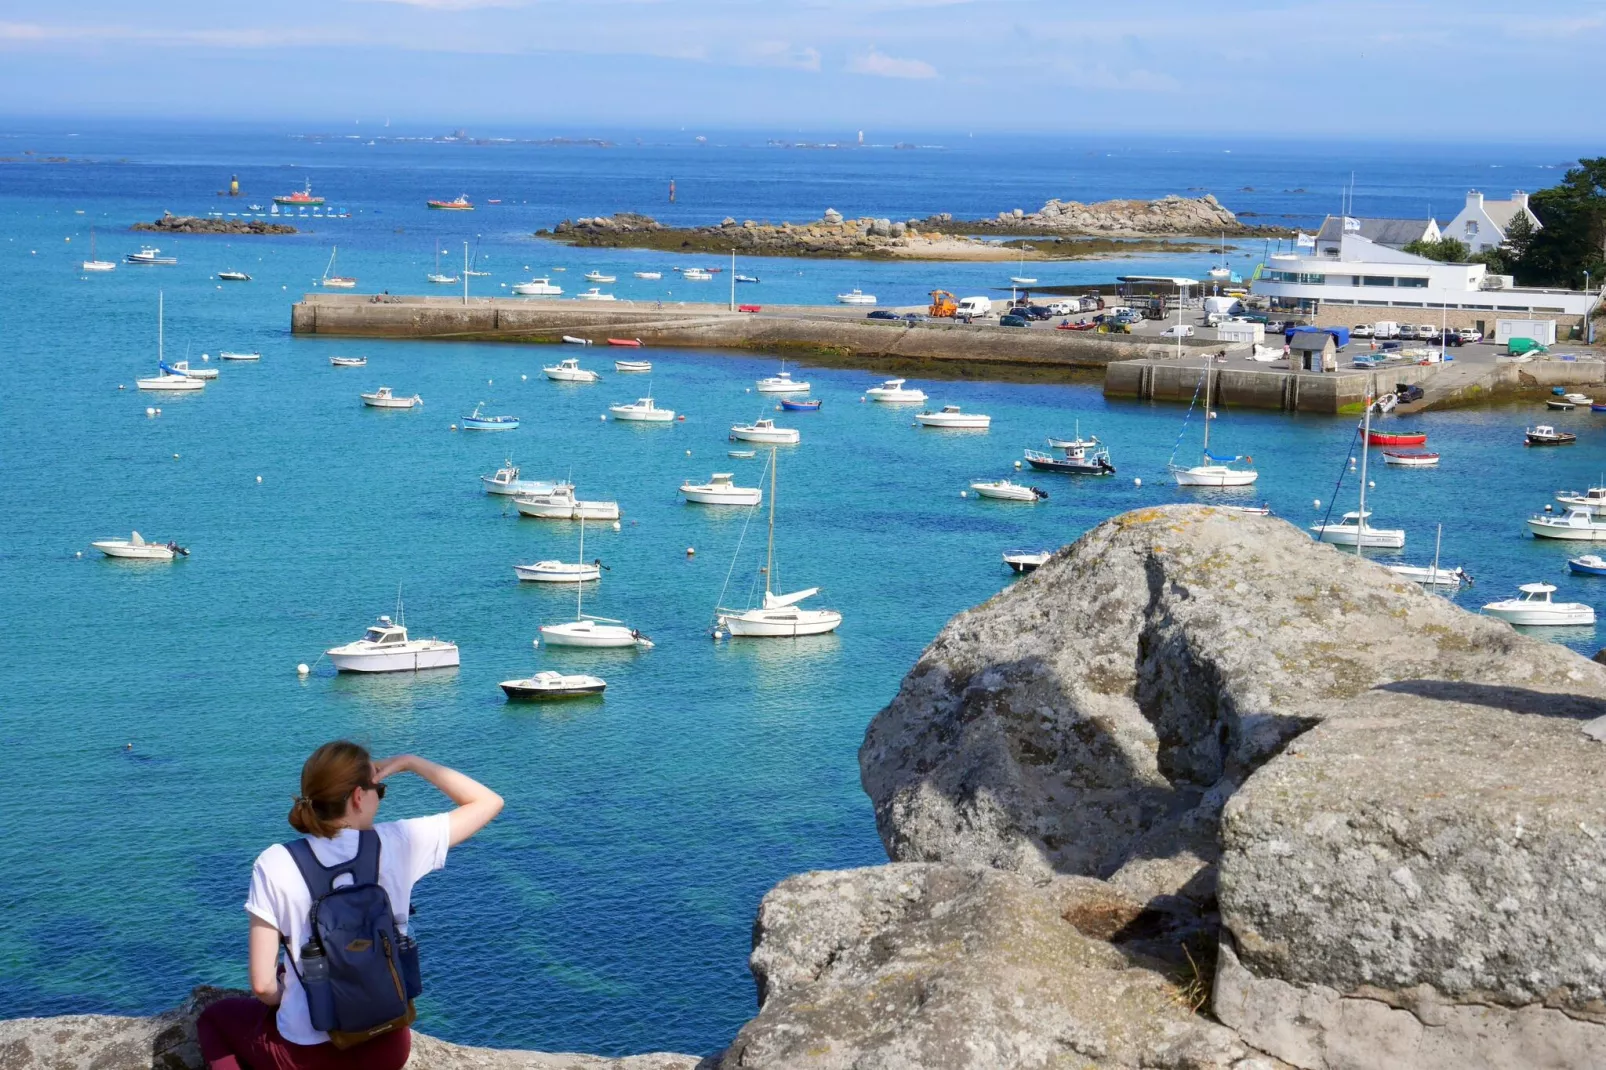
170, 380
549, 686
589, 631
719, 490
578, 571
765, 431
1535, 607
1212, 470
135, 548
643, 411
779, 615
696, 275
1004, 490
1579, 525
1593, 499
561, 504
385, 647
569, 371
597, 276
594, 294
894, 391
538, 288
855, 297
386, 398
1356, 528
506, 482
950, 416
93, 264
650, 276
781, 384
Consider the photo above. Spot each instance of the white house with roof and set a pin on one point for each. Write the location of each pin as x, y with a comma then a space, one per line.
1482, 224
1394, 233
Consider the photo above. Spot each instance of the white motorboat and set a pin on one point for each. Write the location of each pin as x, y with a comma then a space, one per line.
632, 367
1579, 399
561, 504
719, 490
1355, 529
170, 380
782, 383
549, 686
229, 354
93, 264
696, 275
569, 371
1434, 575
385, 398
855, 297
1411, 458
349, 362
149, 255
233, 276
650, 276
644, 410
506, 482
594, 294
765, 431
135, 548
182, 367
597, 276
779, 616
1593, 499
1579, 525
1213, 470
542, 287
1534, 607
578, 571
385, 647
1004, 490
950, 416
1027, 560
894, 391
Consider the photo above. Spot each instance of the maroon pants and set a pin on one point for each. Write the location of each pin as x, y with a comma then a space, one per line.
243, 1034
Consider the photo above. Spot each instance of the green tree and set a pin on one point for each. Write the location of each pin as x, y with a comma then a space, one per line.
1445, 250
1572, 237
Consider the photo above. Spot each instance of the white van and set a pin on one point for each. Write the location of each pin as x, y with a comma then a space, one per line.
1225, 305
974, 306
1385, 329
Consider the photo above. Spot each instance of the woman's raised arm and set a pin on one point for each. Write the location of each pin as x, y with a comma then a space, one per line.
476, 803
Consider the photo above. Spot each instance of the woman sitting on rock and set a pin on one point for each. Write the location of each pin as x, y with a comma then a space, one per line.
341, 789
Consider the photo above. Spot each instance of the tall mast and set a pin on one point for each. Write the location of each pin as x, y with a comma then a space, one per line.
579, 586
769, 555
1207, 409
1366, 438
159, 357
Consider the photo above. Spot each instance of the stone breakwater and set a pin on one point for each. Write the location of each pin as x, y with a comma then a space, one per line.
1199, 794
1170, 215
191, 224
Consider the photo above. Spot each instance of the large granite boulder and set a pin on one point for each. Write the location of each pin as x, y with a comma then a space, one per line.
166, 1041
933, 967
1421, 881
1093, 718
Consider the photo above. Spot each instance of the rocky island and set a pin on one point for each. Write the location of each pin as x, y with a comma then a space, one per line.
1198, 794
192, 224
1076, 231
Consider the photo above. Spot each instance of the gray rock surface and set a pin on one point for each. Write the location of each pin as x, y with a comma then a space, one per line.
932, 967
167, 1042
1094, 717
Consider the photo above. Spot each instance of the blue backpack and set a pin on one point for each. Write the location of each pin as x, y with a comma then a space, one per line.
360, 974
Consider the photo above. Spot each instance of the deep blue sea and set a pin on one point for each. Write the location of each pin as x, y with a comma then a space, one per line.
609, 908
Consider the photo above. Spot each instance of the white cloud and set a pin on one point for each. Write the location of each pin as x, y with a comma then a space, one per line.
882, 65
779, 54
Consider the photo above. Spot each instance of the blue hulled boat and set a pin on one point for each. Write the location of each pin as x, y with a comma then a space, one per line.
476, 421
812, 405
1589, 565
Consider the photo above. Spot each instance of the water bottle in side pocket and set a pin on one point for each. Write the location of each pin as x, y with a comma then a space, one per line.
407, 960
315, 981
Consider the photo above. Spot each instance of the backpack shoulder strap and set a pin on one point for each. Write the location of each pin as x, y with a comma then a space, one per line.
363, 867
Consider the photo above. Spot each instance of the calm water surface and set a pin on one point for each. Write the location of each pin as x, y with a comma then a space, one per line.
609, 908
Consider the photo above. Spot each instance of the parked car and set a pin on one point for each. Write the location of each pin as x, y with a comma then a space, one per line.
1407, 392
1177, 330
914, 317
1451, 338
1426, 332
1013, 320
1037, 312
1470, 335
1361, 330
881, 314
1064, 308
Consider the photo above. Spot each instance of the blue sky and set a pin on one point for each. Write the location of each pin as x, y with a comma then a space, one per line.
1434, 69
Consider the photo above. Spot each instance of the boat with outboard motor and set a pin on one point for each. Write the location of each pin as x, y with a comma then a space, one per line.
1545, 435
1588, 565
135, 548
1023, 561
1004, 490
643, 410
542, 287
569, 371
1082, 457
1578, 525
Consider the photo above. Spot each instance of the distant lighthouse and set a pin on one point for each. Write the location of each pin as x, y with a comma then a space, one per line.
234, 185
861, 137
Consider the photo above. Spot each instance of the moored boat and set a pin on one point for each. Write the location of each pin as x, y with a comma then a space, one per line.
332, 281
597, 276
229, 354
630, 343
349, 362
301, 198
561, 504
1023, 561
149, 255
781, 383
543, 287
550, 686
1411, 458
855, 297
559, 571
1083, 459
169, 380
950, 417
894, 391
650, 276
643, 410
1578, 525
1593, 499
385, 647
1355, 529
385, 398
719, 490
594, 294
93, 264
478, 421
632, 367
1534, 607
1375, 437
569, 371
1545, 435
574, 340
460, 203
1212, 470
793, 405
182, 367
1588, 565
778, 616
135, 548
1005, 490
765, 431
233, 276
506, 482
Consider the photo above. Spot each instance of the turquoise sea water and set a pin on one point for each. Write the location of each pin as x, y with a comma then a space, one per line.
609, 908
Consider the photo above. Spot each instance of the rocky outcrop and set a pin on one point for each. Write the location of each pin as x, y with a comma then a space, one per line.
1419, 882
1118, 218
167, 1042
191, 224
1094, 718
915, 967
831, 236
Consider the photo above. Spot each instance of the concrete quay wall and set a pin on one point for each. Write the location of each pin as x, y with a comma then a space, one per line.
1253, 388
784, 329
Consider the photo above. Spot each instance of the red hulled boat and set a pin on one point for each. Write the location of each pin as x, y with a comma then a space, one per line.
1375, 437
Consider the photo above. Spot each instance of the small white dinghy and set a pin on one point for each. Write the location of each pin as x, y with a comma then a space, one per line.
385, 647
1023, 561
183, 368
632, 367
385, 398
1004, 490
569, 371
765, 431
550, 686
782, 383
951, 417
231, 355
571, 340
561, 504
644, 410
349, 362
895, 392
719, 490
1534, 607
135, 548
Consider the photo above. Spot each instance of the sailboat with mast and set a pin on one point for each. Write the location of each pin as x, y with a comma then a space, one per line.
1434, 575
167, 377
1023, 279
1221, 272
778, 616
333, 281
586, 630
1354, 529
437, 275
92, 264
1213, 470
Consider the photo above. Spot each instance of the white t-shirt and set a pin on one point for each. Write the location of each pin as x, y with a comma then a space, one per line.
279, 896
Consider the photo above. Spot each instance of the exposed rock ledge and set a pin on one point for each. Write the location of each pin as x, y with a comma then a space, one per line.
1170, 214
193, 224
